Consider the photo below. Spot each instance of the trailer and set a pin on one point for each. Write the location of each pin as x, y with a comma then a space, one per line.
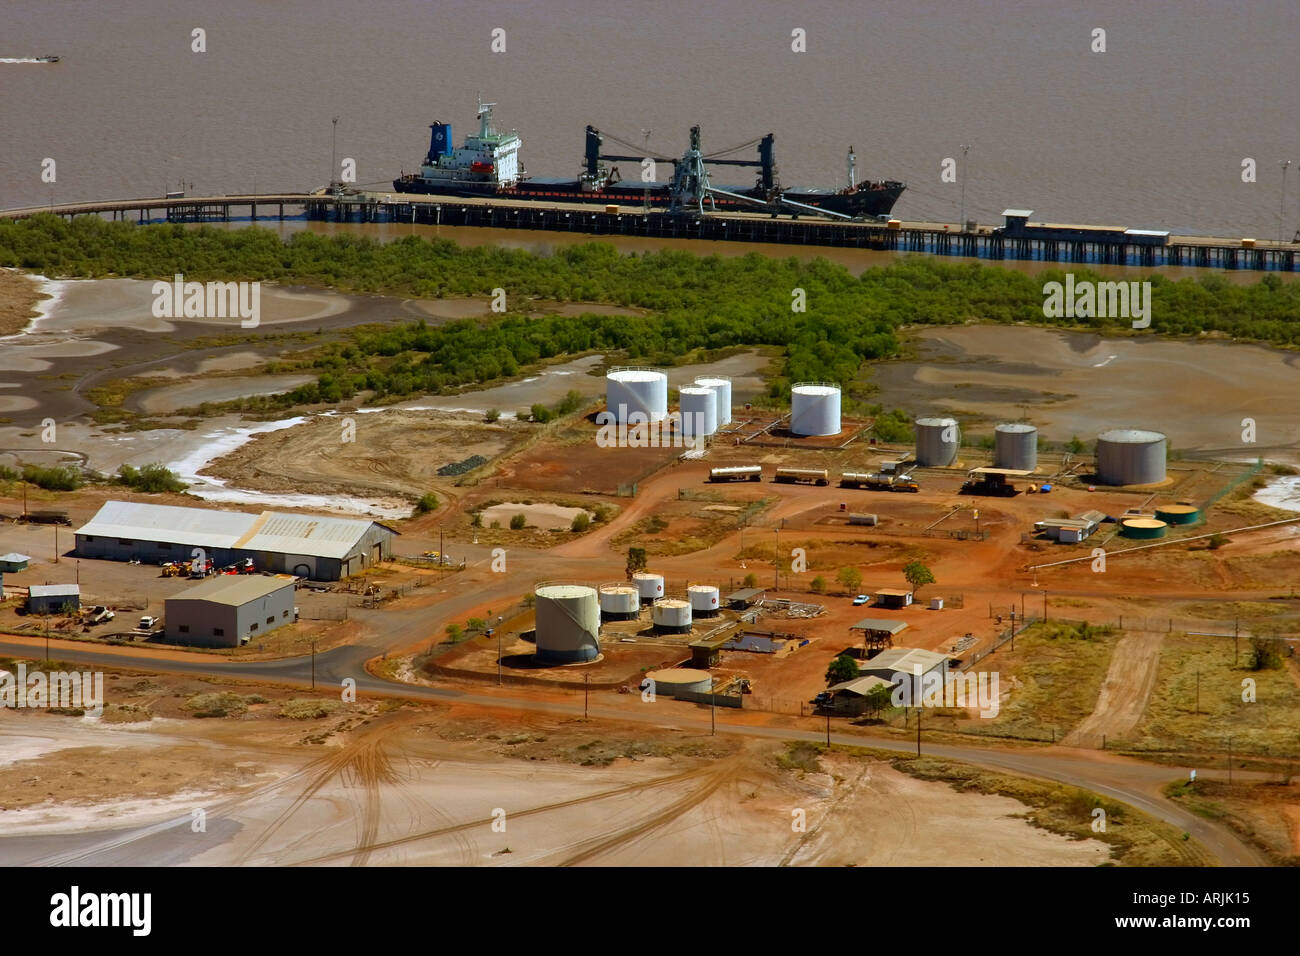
817, 476
737, 473
995, 482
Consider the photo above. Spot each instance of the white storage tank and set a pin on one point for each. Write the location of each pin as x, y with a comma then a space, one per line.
649, 585
1015, 445
937, 442
1131, 456
722, 385
641, 390
671, 616
619, 602
815, 409
568, 623
699, 411
705, 601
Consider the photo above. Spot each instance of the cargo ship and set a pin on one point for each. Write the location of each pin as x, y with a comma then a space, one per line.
488, 164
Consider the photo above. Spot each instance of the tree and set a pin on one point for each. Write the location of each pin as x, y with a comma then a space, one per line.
475, 624
636, 560
581, 522
476, 519
751, 580
454, 633
917, 574
492, 414
428, 502
840, 669
880, 698
1265, 653
818, 585
850, 578
518, 522
1075, 445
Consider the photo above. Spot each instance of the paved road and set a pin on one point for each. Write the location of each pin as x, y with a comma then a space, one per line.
1129, 781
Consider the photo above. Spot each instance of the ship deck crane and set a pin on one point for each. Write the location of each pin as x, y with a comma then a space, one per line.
691, 184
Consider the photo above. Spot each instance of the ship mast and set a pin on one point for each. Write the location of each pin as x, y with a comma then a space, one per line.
852, 169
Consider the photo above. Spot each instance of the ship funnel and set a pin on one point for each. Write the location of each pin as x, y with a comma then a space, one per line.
439, 142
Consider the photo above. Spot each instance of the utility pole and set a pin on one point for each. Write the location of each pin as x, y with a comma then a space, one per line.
776, 560
45, 619
964, 150
713, 712
499, 681
918, 731
1281, 206
442, 555
333, 153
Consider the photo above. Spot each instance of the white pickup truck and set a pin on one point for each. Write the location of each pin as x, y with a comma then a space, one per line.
99, 614
147, 623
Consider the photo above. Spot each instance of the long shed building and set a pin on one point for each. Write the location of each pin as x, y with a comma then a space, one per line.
311, 546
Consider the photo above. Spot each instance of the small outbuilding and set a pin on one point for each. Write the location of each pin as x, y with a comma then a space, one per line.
893, 597
745, 598
878, 633
849, 698
229, 610
53, 598
13, 562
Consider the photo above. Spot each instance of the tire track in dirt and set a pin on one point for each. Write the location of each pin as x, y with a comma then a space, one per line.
603, 844
1125, 691
457, 828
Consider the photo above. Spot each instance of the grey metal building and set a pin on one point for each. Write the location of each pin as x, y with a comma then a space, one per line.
229, 610
311, 546
53, 598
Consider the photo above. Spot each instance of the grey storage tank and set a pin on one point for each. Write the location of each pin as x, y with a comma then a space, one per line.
937, 442
1131, 456
1015, 445
568, 623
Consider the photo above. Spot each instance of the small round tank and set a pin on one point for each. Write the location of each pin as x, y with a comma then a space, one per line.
1143, 528
704, 599
671, 616
619, 602
699, 411
649, 585
672, 680
722, 385
1178, 514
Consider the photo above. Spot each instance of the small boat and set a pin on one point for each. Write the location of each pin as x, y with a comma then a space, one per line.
47, 59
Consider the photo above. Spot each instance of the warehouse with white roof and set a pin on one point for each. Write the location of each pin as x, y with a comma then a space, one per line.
311, 546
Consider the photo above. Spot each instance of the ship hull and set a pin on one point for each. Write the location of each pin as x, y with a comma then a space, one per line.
869, 200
